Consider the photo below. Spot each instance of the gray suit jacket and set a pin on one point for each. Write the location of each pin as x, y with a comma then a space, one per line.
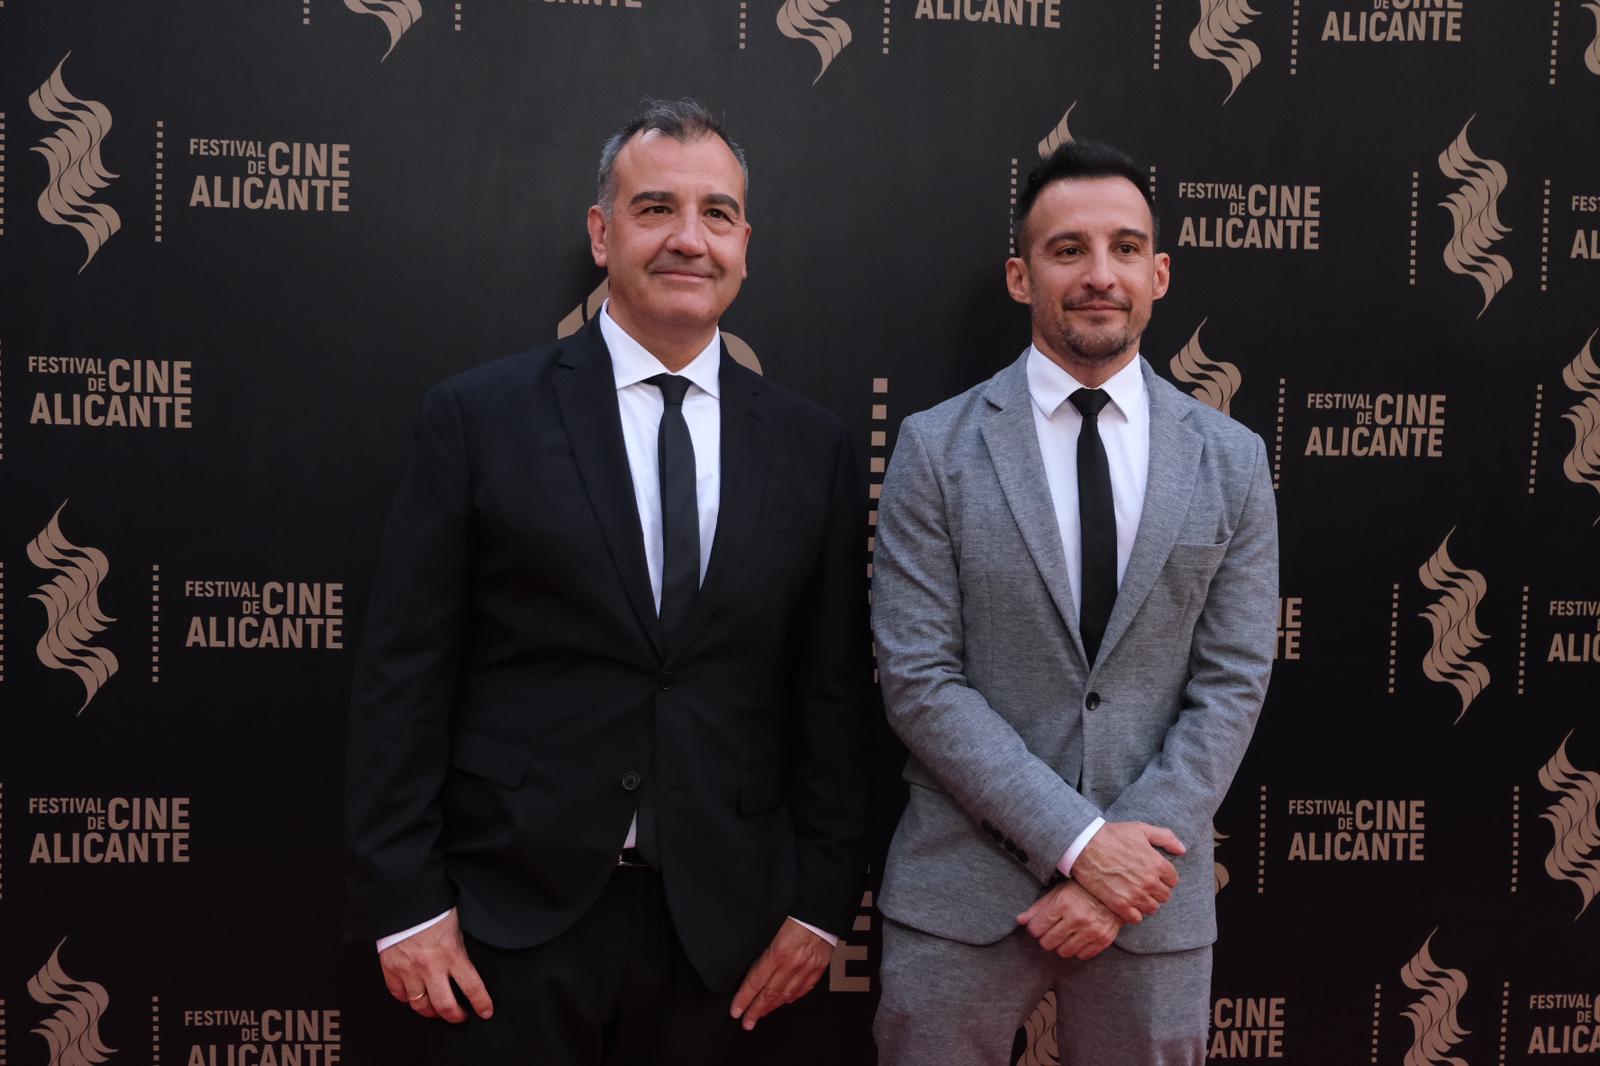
1016, 743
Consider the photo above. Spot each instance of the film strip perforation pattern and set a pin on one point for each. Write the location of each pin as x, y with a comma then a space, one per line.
1155, 52
305, 12
877, 463
1011, 209
1522, 646
1261, 842
160, 186
1533, 449
1416, 180
2, 998
155, 1031
887, 4
1277, 436
458, 16
1555, 36
155, 623
1152, 181
1516, 835
1377, 1018
1544, 241
1505, 1018
744, 22
2, 167
1294, 39
1394, 633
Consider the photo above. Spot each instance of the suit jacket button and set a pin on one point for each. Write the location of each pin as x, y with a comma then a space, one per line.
1091, 701
630, 781
1021, 855
664, 682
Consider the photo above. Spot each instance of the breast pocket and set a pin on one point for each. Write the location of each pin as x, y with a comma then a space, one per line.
1197, 560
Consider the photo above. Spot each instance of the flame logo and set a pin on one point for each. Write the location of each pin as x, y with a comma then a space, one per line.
1454, 621
741, 352
1591, 56
73, 1031
1433, 1017
1575, 853
398, 16
1475, 214
1039, 1032
73, 155
804, 20
72, 607
1213, 38
1217, 382
1058, 136
1582, 375
1221, 870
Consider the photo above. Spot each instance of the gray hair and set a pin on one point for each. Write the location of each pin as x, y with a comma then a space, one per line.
682, 120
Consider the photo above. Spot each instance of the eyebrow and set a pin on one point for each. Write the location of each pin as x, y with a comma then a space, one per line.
657, 196
1077, 235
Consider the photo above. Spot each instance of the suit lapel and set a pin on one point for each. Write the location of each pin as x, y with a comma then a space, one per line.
1174, 458
586, 393
1013, 443
744, 407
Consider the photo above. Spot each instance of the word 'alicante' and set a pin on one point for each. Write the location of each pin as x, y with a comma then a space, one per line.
279, 176
1035, 13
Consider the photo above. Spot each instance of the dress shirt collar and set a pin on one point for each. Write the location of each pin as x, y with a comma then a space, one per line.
1050, 386
631, 363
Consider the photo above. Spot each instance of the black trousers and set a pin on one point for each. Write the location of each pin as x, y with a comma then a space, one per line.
616, 988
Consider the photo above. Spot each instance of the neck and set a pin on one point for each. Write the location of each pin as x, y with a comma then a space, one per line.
673, 349
1089, 375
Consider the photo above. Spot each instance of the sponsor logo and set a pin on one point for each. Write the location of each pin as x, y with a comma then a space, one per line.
1216, 37
1575, 851
111, 830
1216, 382
1577, 1034
1582, 376
1414, 21
1585, 239
840, 979
1591, 55
1039, 1035
269, 1037
73, 1031
805, 20
1058, 136
71, 601
72, 153
574, 320
308, 176
1290, 609
1359, 830
1219, 871
1034, 14
1571, 645
1454, 621
113, 393
1251, 215
397, 16
1475, 217
1247, 1027
1435, 1029
257, 615
1377, 425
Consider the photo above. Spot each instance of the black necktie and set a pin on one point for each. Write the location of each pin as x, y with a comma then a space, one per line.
680, 512
1097, 521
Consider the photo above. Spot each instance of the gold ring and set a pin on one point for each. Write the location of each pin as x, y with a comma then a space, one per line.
419, 995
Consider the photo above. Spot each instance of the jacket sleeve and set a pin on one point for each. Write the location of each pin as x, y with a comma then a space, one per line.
405, 682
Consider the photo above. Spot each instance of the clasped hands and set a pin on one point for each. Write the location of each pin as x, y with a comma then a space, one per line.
1119, 877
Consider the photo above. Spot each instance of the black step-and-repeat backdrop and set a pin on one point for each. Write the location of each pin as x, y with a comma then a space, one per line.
239, 239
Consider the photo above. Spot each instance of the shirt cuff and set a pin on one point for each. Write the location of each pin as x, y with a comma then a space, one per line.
395, 938
1065, 865
832, 940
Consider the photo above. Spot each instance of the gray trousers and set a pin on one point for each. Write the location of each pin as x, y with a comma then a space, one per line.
951, 1004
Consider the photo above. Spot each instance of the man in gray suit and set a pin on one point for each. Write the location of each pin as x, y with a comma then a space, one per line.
1074, 600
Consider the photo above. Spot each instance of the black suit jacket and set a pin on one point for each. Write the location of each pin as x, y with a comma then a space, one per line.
514, 694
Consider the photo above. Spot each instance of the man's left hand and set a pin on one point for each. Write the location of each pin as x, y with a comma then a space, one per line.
1069, 921
790, 967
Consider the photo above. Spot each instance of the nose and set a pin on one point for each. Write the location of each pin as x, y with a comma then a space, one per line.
688, 236
1100, 277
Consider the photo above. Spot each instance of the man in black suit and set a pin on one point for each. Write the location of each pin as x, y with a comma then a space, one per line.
606, 758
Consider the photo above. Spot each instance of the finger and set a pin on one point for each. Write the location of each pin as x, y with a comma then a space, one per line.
1165, 839
443, 997
765, 1002
397, 987
471, 985
1056, 935
1092, 949
754, 982
1027, 916
423, 1006
1041, 923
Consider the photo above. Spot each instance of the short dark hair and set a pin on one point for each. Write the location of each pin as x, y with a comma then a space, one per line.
682, 120
1083, 159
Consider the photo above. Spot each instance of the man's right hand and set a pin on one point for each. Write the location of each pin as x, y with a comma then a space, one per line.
418, 971
1121, 868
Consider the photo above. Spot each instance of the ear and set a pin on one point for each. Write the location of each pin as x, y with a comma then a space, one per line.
744, 262
1018, 283
1163, 275
597, 235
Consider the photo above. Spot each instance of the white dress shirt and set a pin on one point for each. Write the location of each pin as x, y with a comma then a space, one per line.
1124, 426
641, 407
